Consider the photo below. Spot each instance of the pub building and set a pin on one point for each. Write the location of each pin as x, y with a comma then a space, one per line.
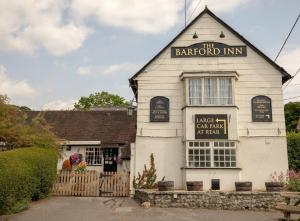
210, 108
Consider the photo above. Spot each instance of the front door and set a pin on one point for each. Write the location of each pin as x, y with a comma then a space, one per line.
110, 159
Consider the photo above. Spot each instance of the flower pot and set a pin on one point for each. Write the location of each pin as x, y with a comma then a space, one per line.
243, 186
165, 185
274, 186
194, 185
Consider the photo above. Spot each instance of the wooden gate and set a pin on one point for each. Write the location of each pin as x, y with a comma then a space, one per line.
77, 184
114, 184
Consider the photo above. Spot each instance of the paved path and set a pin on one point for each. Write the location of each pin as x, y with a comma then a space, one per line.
123, 209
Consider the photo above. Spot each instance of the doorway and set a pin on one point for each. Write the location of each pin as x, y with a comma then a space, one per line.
110, 159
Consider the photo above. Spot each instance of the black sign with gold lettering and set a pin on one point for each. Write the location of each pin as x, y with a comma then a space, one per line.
211, 126
209, 49
261, 109
159, 109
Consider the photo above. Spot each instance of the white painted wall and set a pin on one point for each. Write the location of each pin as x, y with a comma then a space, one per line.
261, 146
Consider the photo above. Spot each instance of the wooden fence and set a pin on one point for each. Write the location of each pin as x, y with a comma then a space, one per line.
76, 184
91, 183
114, 184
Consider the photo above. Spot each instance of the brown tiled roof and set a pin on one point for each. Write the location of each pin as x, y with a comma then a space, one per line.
111, 127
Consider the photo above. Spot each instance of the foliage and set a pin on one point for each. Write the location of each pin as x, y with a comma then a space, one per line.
18, 131
293, 183
67, 165
82, 167
101, 99
292, 115
146, 180
26, 174
293, 145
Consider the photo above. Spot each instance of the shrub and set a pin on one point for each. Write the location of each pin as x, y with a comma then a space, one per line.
293, 144
146, 180
293, 183
25, 174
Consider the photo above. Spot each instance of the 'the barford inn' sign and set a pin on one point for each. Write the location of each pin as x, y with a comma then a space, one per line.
211, 126
159, 109
209, 49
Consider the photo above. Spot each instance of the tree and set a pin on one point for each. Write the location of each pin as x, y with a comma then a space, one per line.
16, 130
292, 115
101, 99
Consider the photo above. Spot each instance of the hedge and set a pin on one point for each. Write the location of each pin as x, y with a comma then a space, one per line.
293, 144
25, 174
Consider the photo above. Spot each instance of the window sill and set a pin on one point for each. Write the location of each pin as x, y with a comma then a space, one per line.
211, 168
203, 106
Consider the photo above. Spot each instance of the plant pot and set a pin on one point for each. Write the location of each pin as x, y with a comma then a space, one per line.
194, 185
274, 186
243, 186
165, 185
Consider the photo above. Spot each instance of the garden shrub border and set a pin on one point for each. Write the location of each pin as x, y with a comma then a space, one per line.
25, 174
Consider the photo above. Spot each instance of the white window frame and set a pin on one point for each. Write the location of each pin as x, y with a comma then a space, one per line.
96, 158
232, 145
202, 99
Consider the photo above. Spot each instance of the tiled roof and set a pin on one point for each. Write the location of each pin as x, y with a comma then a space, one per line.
110, 126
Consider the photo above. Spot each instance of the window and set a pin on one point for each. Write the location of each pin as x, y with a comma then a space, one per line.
93, 156
210, 91
204, 154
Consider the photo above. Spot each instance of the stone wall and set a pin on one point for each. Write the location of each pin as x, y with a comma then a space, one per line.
210, 199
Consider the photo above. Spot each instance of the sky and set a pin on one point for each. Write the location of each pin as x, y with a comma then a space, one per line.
54, 52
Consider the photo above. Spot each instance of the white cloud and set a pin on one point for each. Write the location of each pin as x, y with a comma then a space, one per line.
290, 61
84, 70
62, 26
138, 15
59, 105
28, 25
14, 88
214, 5
120, 68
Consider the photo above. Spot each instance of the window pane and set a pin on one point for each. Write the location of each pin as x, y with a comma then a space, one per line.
210, 91
195, 91
225, 90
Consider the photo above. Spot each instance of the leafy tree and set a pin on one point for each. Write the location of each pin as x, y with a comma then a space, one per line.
293, 144
292, 115
101, 99
16, 130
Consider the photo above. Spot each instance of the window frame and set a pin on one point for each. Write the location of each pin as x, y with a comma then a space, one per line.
100, 150
211, 147
202, 98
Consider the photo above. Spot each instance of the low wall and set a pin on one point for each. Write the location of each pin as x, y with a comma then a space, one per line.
210, 199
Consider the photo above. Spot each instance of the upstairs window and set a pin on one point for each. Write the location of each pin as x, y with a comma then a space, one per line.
210, 91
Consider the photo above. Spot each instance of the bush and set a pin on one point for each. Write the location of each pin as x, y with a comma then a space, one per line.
25, 174
293, 144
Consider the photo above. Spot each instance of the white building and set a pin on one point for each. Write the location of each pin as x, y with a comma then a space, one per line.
216, 109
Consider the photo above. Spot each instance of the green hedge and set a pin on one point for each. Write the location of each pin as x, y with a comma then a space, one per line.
25, 174
293, 143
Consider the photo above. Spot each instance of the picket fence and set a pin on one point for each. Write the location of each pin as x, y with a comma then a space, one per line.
91, 183
69, 183
114, 184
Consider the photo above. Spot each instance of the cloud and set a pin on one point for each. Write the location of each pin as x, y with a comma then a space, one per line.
14, 88
27, 25
59, 105
217, 6
84, 70
120, 68
141, 16
290, 61
62, 26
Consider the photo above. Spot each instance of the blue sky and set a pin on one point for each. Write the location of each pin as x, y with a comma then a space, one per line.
53, 52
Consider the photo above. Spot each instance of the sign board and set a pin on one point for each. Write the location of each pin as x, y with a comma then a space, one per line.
261, 109
159, 109
211, 126
209, 49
